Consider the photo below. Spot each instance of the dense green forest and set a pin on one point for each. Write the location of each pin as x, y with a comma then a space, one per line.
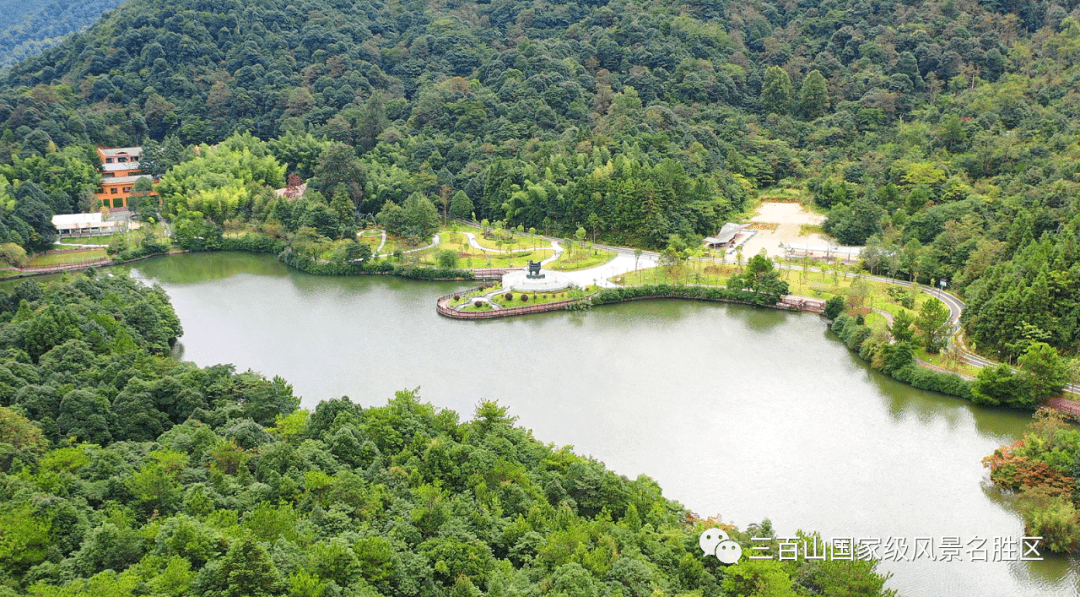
125, 472
31, 27
942, 134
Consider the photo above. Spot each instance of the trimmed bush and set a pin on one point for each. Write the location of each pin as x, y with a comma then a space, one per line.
833, 307
371, 266
897, 360
524, 298
252, 243
509, 296
857, 337
935, 381
140, 252
615, 295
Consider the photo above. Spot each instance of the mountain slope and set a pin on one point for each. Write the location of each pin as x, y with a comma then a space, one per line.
943, 134
31, 27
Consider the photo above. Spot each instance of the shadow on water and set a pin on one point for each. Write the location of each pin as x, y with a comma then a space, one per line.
351, 286
198, 268
904, 401
194, 268
661, 311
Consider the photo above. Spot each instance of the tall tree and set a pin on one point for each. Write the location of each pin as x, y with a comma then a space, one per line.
373, 121
338, 166
461, 207
813, 96
901, 327
776, 91
934, 325
1047, 372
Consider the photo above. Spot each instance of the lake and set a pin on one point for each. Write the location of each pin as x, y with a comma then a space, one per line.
737, 412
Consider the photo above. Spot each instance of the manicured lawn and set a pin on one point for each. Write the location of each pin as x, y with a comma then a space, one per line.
694, 272
474, 259
372, 237
452, 240
894, 309
876, 321
466, 296
822, 285
514, 260
511, 242
939, 360
539, 298
581, 258
66, 257
91, 240
473, 308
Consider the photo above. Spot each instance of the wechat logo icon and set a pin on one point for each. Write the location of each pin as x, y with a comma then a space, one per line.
714, 542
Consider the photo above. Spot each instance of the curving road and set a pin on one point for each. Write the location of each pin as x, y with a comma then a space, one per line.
956, 309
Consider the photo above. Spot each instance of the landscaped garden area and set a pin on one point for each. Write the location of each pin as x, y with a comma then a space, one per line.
464, 255
476, 306
502, 240
62, 257
464, 297
577, 257
372, 237
90, 240
513, 299
693, 272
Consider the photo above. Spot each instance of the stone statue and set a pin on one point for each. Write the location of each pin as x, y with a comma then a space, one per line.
534, 270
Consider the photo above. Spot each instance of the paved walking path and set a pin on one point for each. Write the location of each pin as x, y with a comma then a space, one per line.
434, 243
382, 243
474, 244
558, 253
484, 298
624, 262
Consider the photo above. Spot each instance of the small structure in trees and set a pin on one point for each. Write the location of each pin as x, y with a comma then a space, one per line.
726, 237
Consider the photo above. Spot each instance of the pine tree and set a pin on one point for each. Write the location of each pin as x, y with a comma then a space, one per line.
813, 96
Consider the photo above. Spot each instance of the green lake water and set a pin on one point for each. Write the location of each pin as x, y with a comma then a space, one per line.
739, 412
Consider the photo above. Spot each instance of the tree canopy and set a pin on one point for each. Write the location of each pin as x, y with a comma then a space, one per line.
124, 471
942, 135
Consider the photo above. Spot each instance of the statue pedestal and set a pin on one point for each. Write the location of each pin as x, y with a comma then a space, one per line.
520, 281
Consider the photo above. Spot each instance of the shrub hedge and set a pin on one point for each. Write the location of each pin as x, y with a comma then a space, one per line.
139, 252
896, 360
373, 266
703, 293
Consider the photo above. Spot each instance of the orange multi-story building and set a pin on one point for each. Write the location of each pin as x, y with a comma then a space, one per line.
119, 172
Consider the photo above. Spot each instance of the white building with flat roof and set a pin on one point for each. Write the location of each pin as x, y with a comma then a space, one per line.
91, 224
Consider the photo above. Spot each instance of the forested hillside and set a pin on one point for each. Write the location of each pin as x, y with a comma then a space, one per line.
944, 134
125, 472
30, 27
